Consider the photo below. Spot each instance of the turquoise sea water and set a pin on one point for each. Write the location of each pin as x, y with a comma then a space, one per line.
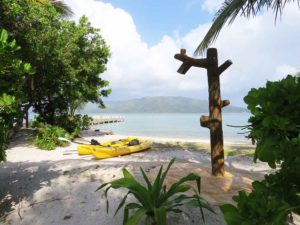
181, 125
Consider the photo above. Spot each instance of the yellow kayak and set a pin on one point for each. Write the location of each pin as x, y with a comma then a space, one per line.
101, 152
87, 149
84, 149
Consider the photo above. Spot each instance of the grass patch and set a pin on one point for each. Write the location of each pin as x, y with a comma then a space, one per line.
239, 152
169, 146
234, 150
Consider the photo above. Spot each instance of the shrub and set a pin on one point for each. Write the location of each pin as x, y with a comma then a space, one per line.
275, 120
69, 123
261, 206
154, 200
8, 115
275, 126
73, 124
3, 140
85, 122
64, 126
47, 137
13, 74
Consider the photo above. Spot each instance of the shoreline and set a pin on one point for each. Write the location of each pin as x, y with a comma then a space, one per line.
92, 134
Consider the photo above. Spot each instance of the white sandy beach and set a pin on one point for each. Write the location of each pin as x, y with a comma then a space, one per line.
58, 187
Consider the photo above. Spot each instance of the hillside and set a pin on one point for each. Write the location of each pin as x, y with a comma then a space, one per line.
158, 105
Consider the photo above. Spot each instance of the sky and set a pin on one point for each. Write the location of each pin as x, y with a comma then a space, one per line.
144, 36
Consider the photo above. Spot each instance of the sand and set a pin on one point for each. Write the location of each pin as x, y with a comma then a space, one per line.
58, 187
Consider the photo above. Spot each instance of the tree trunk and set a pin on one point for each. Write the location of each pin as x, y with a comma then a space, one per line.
214, 120
215, 114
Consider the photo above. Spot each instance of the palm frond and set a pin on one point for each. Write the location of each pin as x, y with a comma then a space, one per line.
59, 5
231, 9
62, 8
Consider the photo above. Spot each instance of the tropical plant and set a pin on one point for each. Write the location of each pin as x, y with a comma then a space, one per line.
275, 121
8, 112
67, 122
65, 126
275, 126
13, 71
13, 75
67, 56
155, 201
73, 123
259, 207
232, 8
48, 136
3, 141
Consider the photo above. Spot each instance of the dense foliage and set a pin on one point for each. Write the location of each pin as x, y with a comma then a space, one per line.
74, 123
48, 136
7, 111
275, 126
13, 74
154, 200
70, 123
65, 126
275, 121
66, 58
59, 6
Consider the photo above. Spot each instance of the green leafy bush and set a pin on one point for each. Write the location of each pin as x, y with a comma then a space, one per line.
64, 126
36, 123
13, 73
261, 206
8, 113
3, 140
154, 200
275, 120
275, 126
73, 123
48, 137
69, 123
73, 73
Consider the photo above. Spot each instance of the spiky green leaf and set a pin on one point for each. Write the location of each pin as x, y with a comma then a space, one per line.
136, 217
160, 215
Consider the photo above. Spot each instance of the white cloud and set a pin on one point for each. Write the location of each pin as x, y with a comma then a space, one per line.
259, 50
282, 70
212, 6
135, 69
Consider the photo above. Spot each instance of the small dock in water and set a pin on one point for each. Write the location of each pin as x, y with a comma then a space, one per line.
106, 119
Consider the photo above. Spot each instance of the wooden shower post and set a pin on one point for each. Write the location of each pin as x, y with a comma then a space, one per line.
214, 120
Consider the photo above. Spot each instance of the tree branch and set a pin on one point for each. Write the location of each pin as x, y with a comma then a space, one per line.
224, 66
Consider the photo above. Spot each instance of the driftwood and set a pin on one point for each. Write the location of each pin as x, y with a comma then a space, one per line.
214, 120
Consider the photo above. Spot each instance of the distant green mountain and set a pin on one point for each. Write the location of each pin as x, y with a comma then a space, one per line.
158, 105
